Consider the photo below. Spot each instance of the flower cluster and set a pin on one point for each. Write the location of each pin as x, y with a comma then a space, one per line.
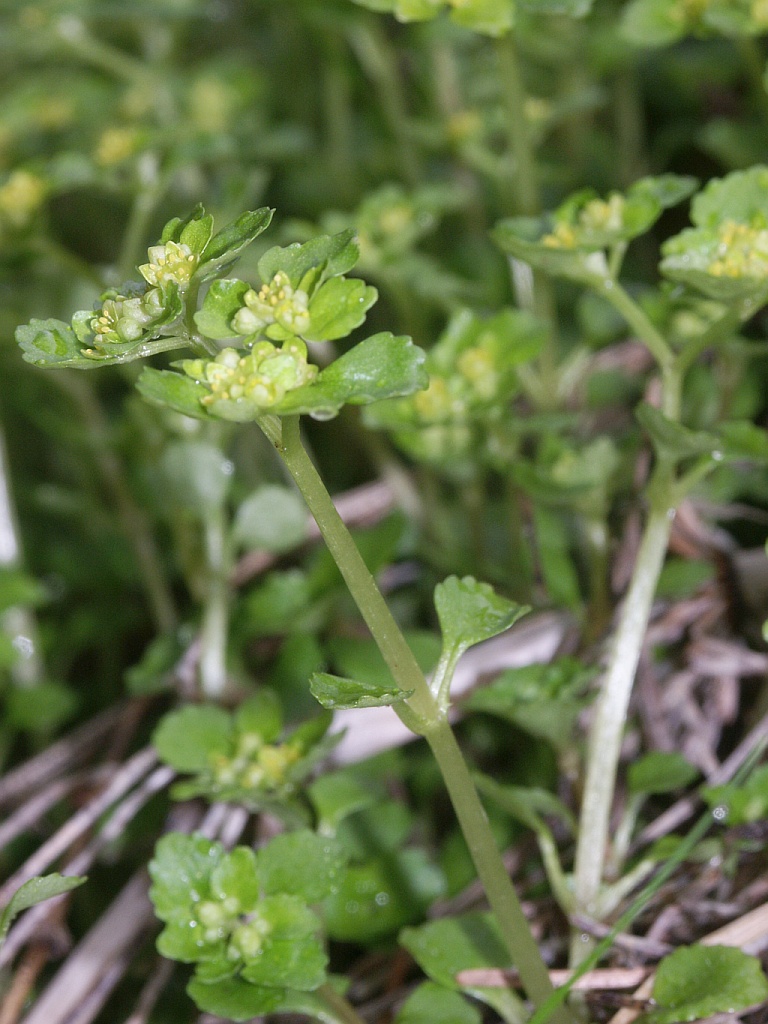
20, 198
122, 319
742, 250
275, 303
242, 387
597, 215
173, 262
256, 765
221, 913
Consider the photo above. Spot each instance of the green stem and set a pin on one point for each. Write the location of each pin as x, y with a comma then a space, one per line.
528, 200
613, 701
422, 713
379, 61
514, 96
613, 292
213, 632
341, 1010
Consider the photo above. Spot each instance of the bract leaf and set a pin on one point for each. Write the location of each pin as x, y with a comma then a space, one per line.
382, 366
302, 864
699, 981
36, 890
292, 955
261, 715
174, 390
337, 692
223, 300
338, 307
470, 612
227, 244
186, 739
333, 254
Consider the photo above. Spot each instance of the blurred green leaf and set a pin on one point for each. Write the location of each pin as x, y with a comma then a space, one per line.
698, 981
36, 890
272, 519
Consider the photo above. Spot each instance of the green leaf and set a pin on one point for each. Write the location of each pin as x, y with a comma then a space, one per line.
382, 366
302, 864
470, 612
292, 955
186, 739
741, 196
526, 803
236, 876
197, 475
331, 255
272, 518
19, 589
433, 1004
377, 898
40, 708
337, 795
336, 692
698, 981
741, 440
656, 22
227, 244
181, 868
543, 700
261, 715
238, 1000
672, 440
52, 343
174, 390
338, 307
660, 772
444, 948
36, 890
744, 803
222, 301
491, 17
197, 233
571, 8
235, 999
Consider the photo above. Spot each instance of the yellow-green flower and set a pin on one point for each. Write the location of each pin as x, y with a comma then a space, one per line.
742, 251
277, 302
173, 261
242, 387
20, 198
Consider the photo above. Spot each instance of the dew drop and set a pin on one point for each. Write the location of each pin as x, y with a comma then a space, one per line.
382, 899
322, 414
720, 813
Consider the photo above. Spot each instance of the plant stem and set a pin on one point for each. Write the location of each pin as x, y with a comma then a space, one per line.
613, 292
213, 632
613, 702
340, 1008
422, 713
528, 201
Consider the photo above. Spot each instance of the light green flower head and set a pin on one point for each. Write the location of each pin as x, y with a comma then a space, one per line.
243, 387
277, 302
173, 261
